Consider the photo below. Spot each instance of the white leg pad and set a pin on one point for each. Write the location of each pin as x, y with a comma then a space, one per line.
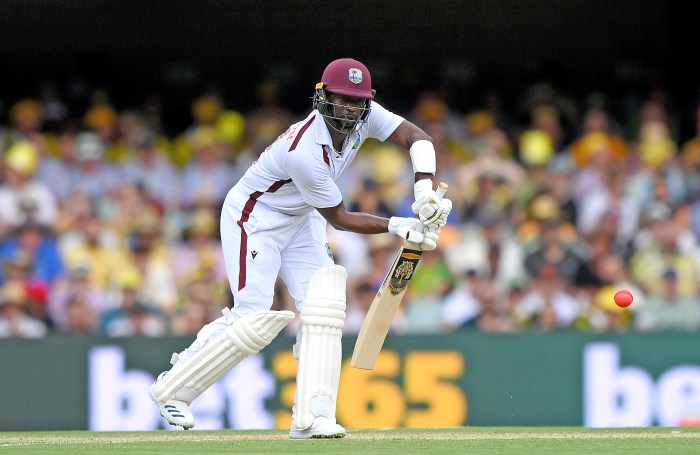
246, 336
319, 350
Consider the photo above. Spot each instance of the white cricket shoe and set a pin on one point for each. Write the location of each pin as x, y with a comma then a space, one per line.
177, 413
321, 428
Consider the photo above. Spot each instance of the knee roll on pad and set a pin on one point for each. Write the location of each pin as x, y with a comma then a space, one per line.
318, 347
248, 335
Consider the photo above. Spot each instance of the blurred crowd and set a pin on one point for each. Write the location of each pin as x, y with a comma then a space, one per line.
110, 226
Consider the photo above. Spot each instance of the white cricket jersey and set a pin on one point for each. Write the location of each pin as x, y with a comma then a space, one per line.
298, 171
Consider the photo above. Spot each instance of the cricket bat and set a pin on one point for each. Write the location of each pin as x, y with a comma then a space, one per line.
377, 322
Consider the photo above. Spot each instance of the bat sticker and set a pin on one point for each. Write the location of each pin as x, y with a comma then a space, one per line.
404, 271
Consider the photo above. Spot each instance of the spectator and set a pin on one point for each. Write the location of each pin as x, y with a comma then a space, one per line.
205, 111
37, 248
201, 305
151, 259
124, 208
80, 317
101, 121
138, 319
22, 196
690, 159
535, 150
657, 249
382, 250
431, 282
486, 246
490, 181
199, 255
361, 293
93, 174
26, 118
208, 176
604, 315
554, 244
133, 316
668, 309
57, 170
659, 177
369, 199
547, 305
495, 316
76, 304
93, 246
461, 307
350, 250
151, 169
597, 127
269, 119
14, 320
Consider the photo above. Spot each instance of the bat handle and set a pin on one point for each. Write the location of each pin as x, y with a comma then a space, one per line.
441, 190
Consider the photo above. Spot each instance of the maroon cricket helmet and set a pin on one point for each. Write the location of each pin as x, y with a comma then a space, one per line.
347, 76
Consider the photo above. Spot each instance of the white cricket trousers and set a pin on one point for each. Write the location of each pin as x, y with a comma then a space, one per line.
259, 244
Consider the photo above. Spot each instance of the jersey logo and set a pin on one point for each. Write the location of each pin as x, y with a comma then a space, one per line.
253, 253
357, 141
355, 75
328, 250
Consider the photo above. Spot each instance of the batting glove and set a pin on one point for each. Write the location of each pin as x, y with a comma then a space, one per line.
437, 222
410, 229
431, 209
430, 239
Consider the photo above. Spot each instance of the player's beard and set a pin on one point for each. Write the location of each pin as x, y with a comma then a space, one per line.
345, 123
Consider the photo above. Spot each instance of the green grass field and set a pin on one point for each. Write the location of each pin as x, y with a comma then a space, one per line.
467, 440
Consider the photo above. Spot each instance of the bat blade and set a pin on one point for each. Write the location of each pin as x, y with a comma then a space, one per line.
380, 315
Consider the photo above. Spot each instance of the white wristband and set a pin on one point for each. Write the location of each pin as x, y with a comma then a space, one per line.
423, 156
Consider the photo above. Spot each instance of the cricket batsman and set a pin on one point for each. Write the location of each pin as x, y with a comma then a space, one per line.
273, 222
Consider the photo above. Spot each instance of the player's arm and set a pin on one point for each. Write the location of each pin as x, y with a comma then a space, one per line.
409, 229
420, 146
407, 136
362, 223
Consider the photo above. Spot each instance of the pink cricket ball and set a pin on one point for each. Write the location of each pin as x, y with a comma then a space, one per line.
623, 298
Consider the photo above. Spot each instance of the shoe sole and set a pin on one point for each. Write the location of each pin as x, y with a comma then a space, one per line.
299, 435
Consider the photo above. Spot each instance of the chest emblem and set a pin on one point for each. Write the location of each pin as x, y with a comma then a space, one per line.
357, 141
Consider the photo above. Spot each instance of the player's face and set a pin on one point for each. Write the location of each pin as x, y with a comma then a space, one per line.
347, 106
347, 109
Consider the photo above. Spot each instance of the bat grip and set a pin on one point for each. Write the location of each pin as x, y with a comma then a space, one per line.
441, 190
